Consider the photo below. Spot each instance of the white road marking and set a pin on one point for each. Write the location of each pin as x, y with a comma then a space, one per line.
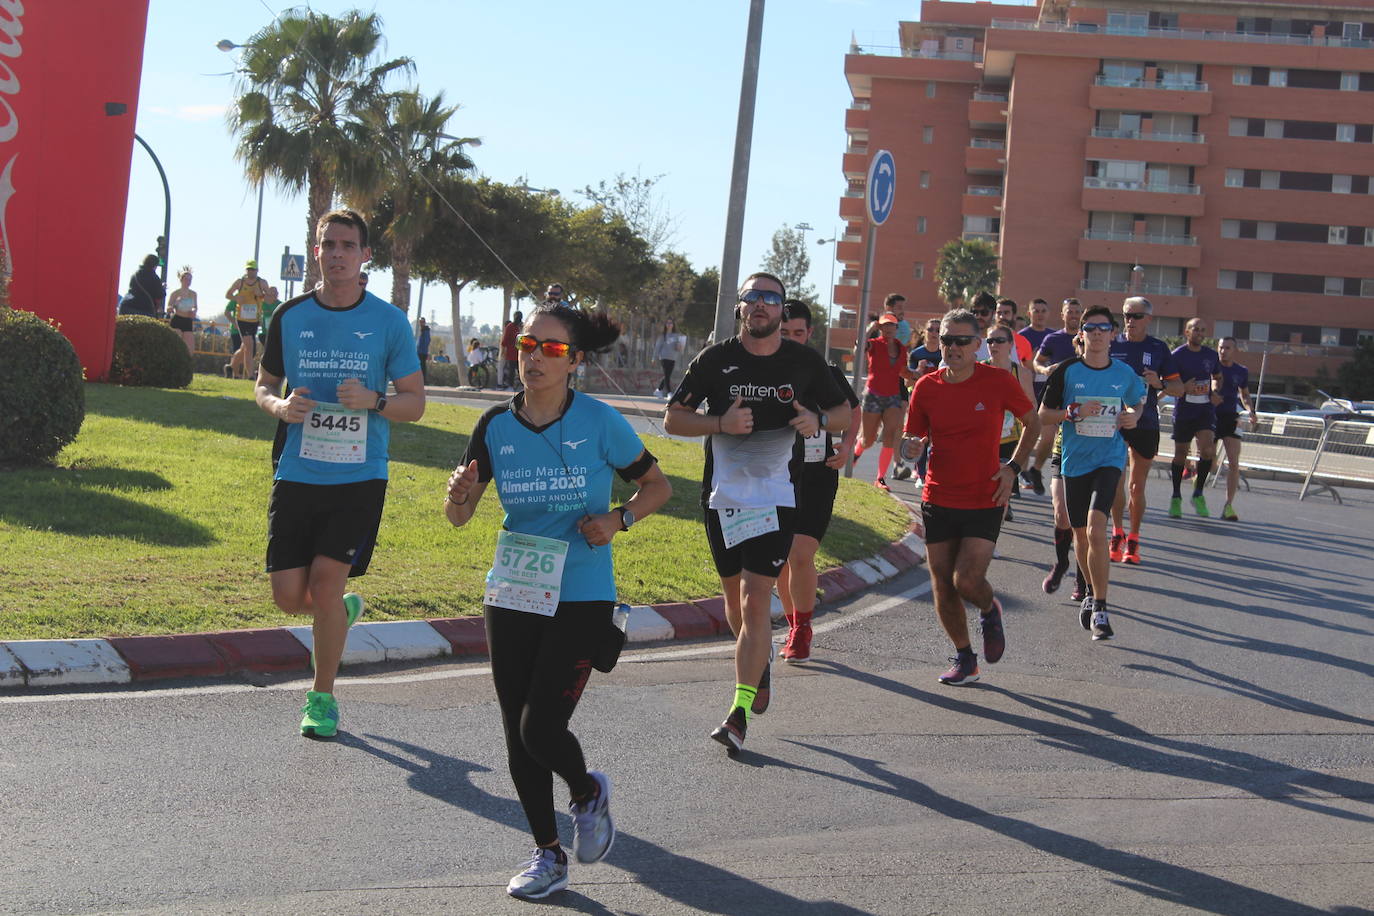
631, 657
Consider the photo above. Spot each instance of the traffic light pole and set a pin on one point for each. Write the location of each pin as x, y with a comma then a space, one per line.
167, 209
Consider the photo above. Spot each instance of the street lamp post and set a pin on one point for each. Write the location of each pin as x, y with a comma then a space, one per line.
166, 212
830, 310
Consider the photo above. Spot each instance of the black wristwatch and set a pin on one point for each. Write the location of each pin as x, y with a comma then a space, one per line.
1015, 468
627, 518
381, 403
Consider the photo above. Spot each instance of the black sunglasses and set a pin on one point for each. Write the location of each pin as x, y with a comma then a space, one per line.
767, 295
1135, 316
999, 340
957, 340
1097, 326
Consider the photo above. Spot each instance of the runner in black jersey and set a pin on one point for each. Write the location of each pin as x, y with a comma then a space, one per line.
336, 347
753, 387
822, 459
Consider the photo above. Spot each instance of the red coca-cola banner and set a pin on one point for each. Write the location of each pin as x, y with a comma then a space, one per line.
69, 75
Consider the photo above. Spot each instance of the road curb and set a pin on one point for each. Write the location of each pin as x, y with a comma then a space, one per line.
122, 659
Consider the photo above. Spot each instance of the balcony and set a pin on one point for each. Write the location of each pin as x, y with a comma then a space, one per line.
1149, 147
992, 238
852, 206
1121, 196
985, 157
984, 114
855, 165
1110, 94
1101, 246
984, 190
1147, 289
1189, 34
1117, 133
856, 119
982, 203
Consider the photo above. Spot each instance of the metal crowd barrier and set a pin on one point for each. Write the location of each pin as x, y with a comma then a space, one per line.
1319, 453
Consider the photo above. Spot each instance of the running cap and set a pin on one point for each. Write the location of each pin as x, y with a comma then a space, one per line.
888, 318
251, 265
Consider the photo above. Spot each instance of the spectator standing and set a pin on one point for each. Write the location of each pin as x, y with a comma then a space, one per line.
509, 354
668, 350
146, 292
422, 347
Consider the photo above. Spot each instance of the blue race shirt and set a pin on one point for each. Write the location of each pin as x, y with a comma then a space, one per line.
549, 478
1092, 396
1196, 369
1233, 378
1150, 353
315, 347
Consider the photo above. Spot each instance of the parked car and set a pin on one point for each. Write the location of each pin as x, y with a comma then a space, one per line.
1281, 403
1344, 406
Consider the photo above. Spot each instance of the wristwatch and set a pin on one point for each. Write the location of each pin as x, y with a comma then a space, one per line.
823, 418
1015, 468
627, 518
381, 403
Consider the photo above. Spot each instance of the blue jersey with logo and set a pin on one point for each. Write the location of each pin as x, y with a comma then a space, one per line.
1195, 368
1233, 378
1150, 353
316, 347
1093, 398
548, 478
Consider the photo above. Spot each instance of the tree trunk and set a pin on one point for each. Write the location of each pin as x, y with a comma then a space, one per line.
400, 274
505, 306
320, 197
455, 292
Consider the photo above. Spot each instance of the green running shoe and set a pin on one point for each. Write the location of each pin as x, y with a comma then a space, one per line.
353, 604
320, 717
1200, 506
1229, 514
1176, 507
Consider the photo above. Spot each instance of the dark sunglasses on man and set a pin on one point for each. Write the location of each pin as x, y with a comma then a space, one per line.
957, 340
767, 295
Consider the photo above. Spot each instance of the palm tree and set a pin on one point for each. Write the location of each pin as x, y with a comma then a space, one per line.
405, 157
965, 269
302, 81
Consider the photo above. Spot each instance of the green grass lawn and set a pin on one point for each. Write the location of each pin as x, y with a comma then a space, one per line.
155, 521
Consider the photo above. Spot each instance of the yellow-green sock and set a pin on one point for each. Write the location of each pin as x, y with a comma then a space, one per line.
744, 696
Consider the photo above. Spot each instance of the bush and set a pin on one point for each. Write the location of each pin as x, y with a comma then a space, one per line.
148, 352
445, 375
42, 396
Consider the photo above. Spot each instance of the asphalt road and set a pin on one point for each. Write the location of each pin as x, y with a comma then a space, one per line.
1216, 757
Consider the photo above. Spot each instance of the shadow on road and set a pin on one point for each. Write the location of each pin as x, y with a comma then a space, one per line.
691, 882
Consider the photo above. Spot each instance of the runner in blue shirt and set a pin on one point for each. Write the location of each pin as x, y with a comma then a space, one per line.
336, 348
1152, 361
551, 591
1093, 398
1195, 414
1235, 391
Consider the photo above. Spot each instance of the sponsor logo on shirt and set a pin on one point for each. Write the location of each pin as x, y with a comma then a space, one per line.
573, 445
728, 369
363, 335
310, 334
751, 392
979, 406
507, 450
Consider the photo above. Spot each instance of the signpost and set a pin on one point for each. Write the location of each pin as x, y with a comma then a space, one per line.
292, 270
880, 191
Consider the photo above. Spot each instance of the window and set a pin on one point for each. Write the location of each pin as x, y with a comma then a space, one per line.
1278, 77
1262, 281
1273, 129
1265, 231
1226, 279
1331, 337
921, 224
925, 179
1240, 76
1335, 235
1223, 328
1340, 184
1367, 288
927, 134
1369, 236
1235, 178
1127, 22
930, 89
980, 224
1345, 133
1334, 286
919, 271
1269, 180
1240, 127
1350, 82
1230, 229
1259, 330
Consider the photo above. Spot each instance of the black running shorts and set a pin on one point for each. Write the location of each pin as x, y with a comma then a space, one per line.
1228, 426
338, 521
1187, 430
763, 555
945, 524
1094, 491
816, 499
248, 329
183, 323
1143, 442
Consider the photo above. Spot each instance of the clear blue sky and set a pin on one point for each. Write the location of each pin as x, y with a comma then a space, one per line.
564, 93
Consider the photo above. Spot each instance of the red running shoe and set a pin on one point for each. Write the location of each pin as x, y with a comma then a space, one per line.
1133, 551
964, 671
798, 646
1117, 552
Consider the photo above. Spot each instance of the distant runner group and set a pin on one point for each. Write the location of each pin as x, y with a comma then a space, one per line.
986, 409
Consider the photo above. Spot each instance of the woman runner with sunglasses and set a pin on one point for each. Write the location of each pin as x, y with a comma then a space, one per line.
551, 589
1001, 342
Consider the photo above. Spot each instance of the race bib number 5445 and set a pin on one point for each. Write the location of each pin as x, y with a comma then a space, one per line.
336, 434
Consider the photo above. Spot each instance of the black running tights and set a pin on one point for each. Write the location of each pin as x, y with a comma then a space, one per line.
540, 666
666, 386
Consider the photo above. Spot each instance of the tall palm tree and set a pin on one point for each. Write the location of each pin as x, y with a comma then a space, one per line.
406, 155
302, 81
965, 269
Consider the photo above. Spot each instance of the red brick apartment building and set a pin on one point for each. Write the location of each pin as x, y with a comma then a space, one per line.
1224, 147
